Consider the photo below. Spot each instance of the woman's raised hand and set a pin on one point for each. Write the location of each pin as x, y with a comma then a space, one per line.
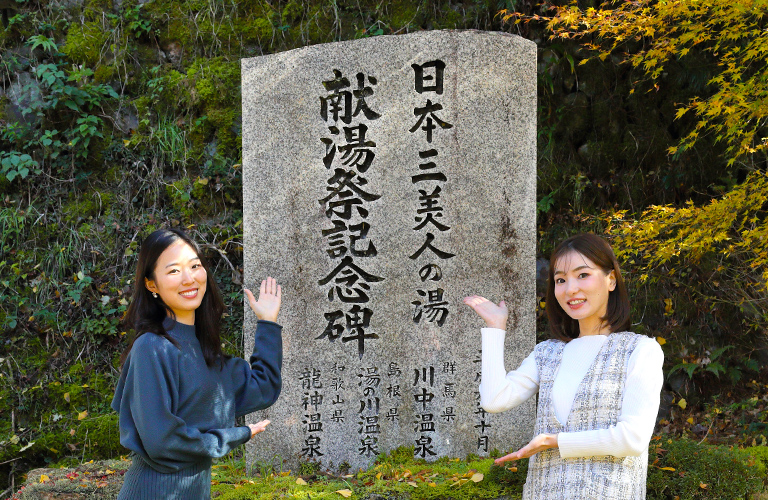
495, 316
268, 305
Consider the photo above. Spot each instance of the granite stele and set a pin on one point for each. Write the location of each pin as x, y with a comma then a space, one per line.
385, 179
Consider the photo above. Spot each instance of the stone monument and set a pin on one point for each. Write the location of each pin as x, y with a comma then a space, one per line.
385, 179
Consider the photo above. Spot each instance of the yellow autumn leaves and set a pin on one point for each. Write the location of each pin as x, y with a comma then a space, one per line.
730, 234
724, 244
732, 36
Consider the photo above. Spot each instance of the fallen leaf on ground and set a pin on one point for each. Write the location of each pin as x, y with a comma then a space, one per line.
344, 493
301, 482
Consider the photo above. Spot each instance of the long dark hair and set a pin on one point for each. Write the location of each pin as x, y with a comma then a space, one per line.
599, 251
145, 313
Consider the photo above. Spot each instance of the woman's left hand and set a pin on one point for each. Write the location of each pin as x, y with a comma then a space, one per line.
268, 305
258, 427
539, 443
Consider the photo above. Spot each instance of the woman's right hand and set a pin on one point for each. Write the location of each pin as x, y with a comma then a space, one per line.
270, 298
258, 427
495, 316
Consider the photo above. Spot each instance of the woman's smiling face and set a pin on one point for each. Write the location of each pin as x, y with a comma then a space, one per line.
180, 281
582, 289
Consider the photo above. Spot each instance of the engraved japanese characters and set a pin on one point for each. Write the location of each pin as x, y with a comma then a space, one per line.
384, 179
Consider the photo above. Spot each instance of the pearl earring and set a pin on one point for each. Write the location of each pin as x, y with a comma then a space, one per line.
154, 294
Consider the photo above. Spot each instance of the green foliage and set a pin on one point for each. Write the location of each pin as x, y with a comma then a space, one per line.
138, 23
221, 109
69, 100
711, 365
743, 419
86, 129
14, 164
685, 469
307, 468
43, 42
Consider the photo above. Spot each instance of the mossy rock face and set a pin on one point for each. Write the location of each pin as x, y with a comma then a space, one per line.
95, 480
216, 90
95, 9
104, 74
258, 30
402, 15
292, 12
89, 205
85, 42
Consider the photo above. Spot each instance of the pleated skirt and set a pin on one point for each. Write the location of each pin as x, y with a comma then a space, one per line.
142, 482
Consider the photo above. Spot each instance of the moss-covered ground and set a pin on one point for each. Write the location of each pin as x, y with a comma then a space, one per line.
678, 468
396, 475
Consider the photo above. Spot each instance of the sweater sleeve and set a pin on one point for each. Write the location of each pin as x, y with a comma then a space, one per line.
147, 399
257, 383
640, 405
499, 390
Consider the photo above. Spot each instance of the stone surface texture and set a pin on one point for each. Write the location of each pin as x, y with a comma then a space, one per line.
422, 146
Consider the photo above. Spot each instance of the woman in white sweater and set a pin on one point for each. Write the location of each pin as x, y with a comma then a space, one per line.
598, 384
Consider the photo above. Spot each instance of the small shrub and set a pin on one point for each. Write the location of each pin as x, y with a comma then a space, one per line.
399, 456
685, 469
759, 453
309, 468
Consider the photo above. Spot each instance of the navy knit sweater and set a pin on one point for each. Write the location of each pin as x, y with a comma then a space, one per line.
176, 413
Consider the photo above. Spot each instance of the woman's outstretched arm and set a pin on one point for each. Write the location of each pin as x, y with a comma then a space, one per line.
499, 390
632, 433
147, 402
258, 382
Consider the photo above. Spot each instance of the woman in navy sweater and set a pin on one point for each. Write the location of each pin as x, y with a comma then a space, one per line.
178, 394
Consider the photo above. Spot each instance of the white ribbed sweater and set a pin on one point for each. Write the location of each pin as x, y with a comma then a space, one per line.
500, 391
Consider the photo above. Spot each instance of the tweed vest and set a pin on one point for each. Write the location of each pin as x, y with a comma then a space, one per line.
597, 405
